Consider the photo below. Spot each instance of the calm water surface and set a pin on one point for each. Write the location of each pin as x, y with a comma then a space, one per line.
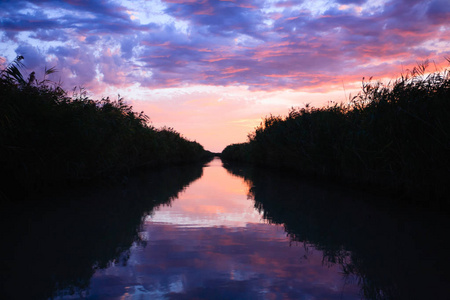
221, 232
211, 243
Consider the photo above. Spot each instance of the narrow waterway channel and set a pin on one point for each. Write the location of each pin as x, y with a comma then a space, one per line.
222, 232
211, 243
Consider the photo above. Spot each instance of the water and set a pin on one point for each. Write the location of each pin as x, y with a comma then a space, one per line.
211, 243
224, 233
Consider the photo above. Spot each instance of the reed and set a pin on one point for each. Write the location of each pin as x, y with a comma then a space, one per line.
50, 138
391, 137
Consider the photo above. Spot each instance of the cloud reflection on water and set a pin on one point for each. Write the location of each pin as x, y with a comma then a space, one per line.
212, 244
252, 262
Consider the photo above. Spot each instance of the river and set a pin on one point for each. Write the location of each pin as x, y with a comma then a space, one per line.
223, 232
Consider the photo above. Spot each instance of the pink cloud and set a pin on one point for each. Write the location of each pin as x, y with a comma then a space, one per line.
232, 70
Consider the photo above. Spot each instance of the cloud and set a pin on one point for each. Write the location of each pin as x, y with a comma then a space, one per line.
438, 12
265, 45
18, 22
225, 18
359, 2
100, 9
34, 57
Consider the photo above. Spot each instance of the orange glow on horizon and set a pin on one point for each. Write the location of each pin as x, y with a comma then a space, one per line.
217, 116
218, 199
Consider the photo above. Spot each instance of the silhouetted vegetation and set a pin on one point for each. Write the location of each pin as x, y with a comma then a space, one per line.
393, 252
48, 137
393, 137
53, 244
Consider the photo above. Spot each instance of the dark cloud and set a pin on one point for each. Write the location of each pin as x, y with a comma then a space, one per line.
84, 16
358, 2
27, 22
48, 35
34, 57
92, 39
63, 52
99, 8
439, 12
127, 45
221, 17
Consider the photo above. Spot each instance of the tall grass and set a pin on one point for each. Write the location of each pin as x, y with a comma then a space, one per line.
394, 137
49, 137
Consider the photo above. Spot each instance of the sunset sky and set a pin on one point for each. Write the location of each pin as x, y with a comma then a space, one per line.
211, 69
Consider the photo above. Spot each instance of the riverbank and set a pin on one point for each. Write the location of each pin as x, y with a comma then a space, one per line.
48, 138
393, 139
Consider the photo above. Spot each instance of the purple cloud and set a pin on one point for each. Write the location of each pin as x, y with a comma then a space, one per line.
358, 2
439, 12
34, 57
264, 45
225, 18
98, 8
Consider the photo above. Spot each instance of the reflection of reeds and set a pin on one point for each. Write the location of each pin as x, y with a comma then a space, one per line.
78, 231
395, 136
395, 253
47, 136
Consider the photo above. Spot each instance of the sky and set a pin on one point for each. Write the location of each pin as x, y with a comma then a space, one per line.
212, 69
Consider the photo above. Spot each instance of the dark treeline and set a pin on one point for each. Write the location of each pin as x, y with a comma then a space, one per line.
392, 252
48, 137
53, 245
394, 138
